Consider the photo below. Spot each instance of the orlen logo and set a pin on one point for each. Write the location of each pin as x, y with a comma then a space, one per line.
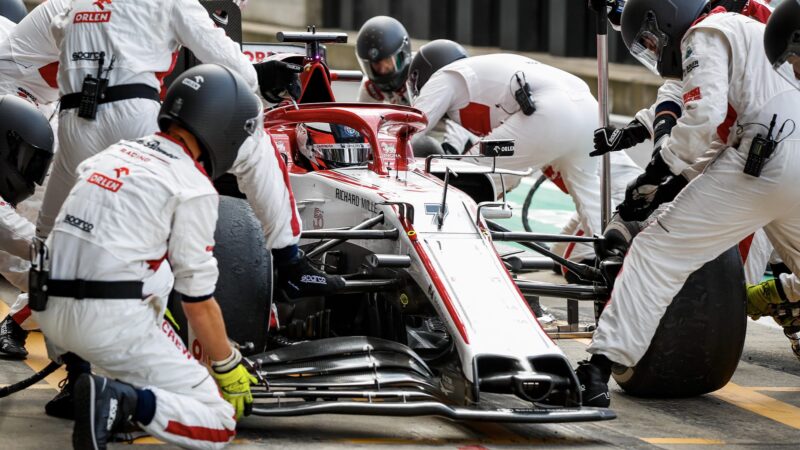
105, 182
257, 56
92, 17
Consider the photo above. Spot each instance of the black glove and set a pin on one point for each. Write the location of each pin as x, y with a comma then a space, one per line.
641, 192
298, 278
274, 77
610, 139
665, 193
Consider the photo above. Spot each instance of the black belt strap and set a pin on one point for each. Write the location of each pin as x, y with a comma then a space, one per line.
114, 94
81, 289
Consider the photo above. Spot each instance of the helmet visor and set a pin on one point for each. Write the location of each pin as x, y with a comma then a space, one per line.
386, 72
32, 162
788, 64
648, 46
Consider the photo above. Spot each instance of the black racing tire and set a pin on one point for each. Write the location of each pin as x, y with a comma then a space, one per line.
699, 341
244, 288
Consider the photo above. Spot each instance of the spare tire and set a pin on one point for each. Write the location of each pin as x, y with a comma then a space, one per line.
699, 341
244, 288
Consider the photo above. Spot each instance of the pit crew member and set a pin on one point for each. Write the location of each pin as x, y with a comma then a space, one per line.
504, 96
383, 49
39, 89
26, 152
131, 204
85, 32
720, 58
779, 298
657, 122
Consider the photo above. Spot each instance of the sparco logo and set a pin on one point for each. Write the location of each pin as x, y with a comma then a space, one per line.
313, 279
79, 223
87, 56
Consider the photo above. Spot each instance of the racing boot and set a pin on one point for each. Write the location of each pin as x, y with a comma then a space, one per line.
593, 377
102, 407
62, 405
763, 299
298, 278
12, 339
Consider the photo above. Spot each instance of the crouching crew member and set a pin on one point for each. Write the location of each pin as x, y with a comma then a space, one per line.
133, 203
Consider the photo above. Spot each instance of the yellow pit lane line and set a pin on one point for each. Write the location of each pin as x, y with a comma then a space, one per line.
763, 405
37, 355
682, 441
749, 399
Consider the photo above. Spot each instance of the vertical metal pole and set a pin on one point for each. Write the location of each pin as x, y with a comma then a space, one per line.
602, 99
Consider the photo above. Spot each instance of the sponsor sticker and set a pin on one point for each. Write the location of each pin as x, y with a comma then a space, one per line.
109, 184
195, 83
78, 223
92, 17
692, 95
690, 67
87, 56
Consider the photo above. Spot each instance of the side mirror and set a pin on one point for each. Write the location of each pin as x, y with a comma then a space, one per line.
497, 147
493, 210
496, 213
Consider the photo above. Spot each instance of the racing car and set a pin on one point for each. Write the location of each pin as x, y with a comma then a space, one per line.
431, 318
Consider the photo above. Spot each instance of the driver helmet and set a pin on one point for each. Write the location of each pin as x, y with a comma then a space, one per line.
653, 30
383, 49
782, 41
26, 148
342, 146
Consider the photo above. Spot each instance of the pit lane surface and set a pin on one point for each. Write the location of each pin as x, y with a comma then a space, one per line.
760, 408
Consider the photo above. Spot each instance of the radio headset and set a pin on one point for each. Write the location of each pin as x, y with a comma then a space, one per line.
93, 89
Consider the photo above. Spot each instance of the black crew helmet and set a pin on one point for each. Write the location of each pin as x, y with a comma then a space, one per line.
26, 148
218, 108
384, 38
653, 29
782, 34
13, 10
431, 57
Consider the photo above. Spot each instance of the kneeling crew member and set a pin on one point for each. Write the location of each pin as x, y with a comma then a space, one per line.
133, 203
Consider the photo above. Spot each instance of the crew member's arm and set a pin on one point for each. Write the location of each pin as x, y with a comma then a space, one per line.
705, 99
16, 232
444, 91
30, 45
262, 176
195, 30
191, 245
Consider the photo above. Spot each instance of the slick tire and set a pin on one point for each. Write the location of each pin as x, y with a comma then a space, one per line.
699, 341
244, 288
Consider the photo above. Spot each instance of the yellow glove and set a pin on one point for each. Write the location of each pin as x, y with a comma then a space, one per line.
763, 298
768, 299
235, 388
